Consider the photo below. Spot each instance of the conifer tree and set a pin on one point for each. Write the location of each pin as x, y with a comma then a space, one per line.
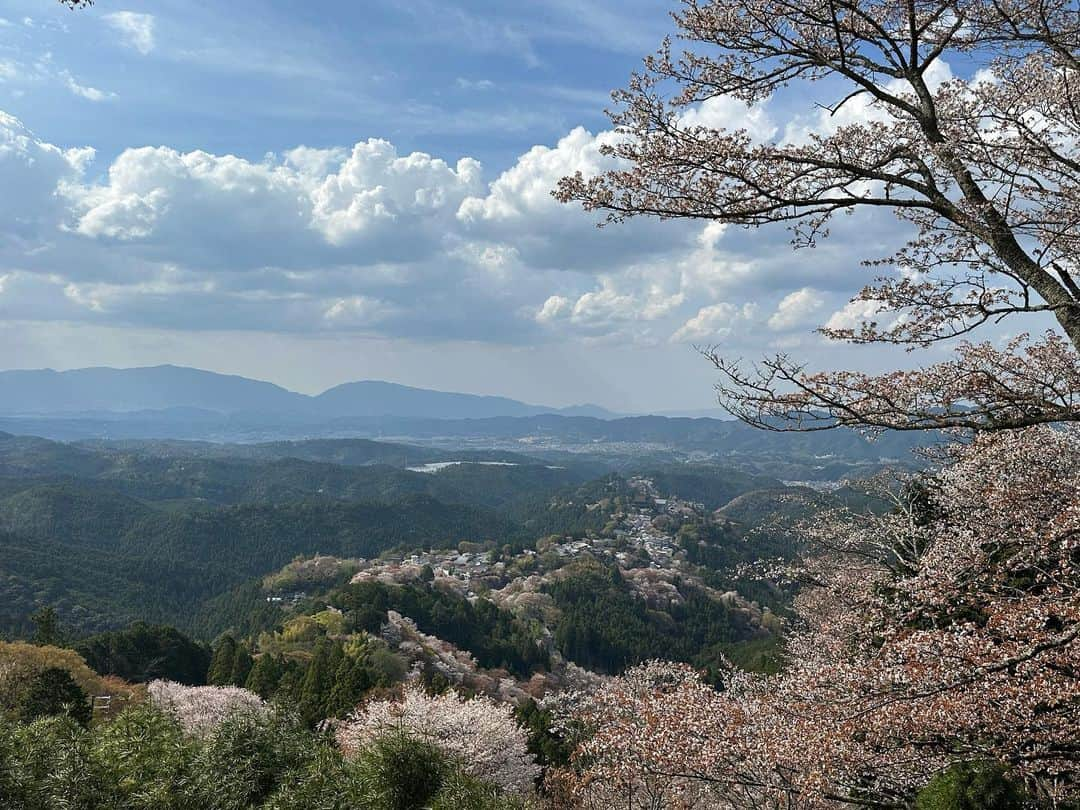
221, 664
241, 667
315, 687
265, 676
351, 680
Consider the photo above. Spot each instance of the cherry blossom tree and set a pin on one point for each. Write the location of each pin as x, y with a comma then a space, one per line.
945, 631
201, 709
985, 171
479, 733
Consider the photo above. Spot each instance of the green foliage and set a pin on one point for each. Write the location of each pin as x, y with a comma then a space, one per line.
221, 663
105, 560
256, 755
265, 675
459, 790
402, 773
46, 765
972, 786
319, 681
494, 636
47, 627
144, 653
755, 655
21, 663
550, 748
605, 627
328, 782
53, 692
142, 761
241, 668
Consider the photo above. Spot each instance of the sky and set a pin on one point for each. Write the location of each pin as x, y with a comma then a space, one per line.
317, 192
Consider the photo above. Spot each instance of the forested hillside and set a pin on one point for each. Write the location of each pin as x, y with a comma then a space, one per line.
109, 534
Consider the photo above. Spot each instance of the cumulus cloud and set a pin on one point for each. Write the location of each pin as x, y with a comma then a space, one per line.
518, 206
853, 314
714, 322
31, 171
309, 204
366, 239
796, 309
726, 113
525, 189
135, 29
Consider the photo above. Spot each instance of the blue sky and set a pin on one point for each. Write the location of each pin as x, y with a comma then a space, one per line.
317, 192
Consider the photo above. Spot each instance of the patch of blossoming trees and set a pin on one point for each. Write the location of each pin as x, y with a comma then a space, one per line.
478, 733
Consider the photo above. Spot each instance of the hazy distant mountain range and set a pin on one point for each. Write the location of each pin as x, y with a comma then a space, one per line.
160, 388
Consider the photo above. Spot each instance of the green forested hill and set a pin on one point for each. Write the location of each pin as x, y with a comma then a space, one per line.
360, 471
106, 559
111, 533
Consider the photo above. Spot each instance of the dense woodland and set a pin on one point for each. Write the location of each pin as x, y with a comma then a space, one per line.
112, 536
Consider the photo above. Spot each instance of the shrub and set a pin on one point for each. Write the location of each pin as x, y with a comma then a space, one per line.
54, 692
400, 772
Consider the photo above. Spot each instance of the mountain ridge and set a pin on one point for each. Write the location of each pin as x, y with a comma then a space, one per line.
107, 390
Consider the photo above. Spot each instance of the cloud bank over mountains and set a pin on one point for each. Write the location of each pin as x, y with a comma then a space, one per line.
369, 240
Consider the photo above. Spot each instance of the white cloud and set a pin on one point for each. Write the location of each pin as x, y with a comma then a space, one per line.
853, 315
84, 91
368, 240
796, 309
136, 30
355, 311
617, 305
524, 190
308, 203
473, 84
726, 113
714, 322
555, 307
376, 185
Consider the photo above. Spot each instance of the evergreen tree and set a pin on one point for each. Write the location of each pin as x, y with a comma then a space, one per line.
54, 692
241, 667
972, 786
351, 681
222, 662
317, 682
47, 627
265, 676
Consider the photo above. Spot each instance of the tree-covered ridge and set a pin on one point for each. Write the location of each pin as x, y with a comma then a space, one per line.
162, 534
494, 636
604, 626
142, 653
347, 469
105, 559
